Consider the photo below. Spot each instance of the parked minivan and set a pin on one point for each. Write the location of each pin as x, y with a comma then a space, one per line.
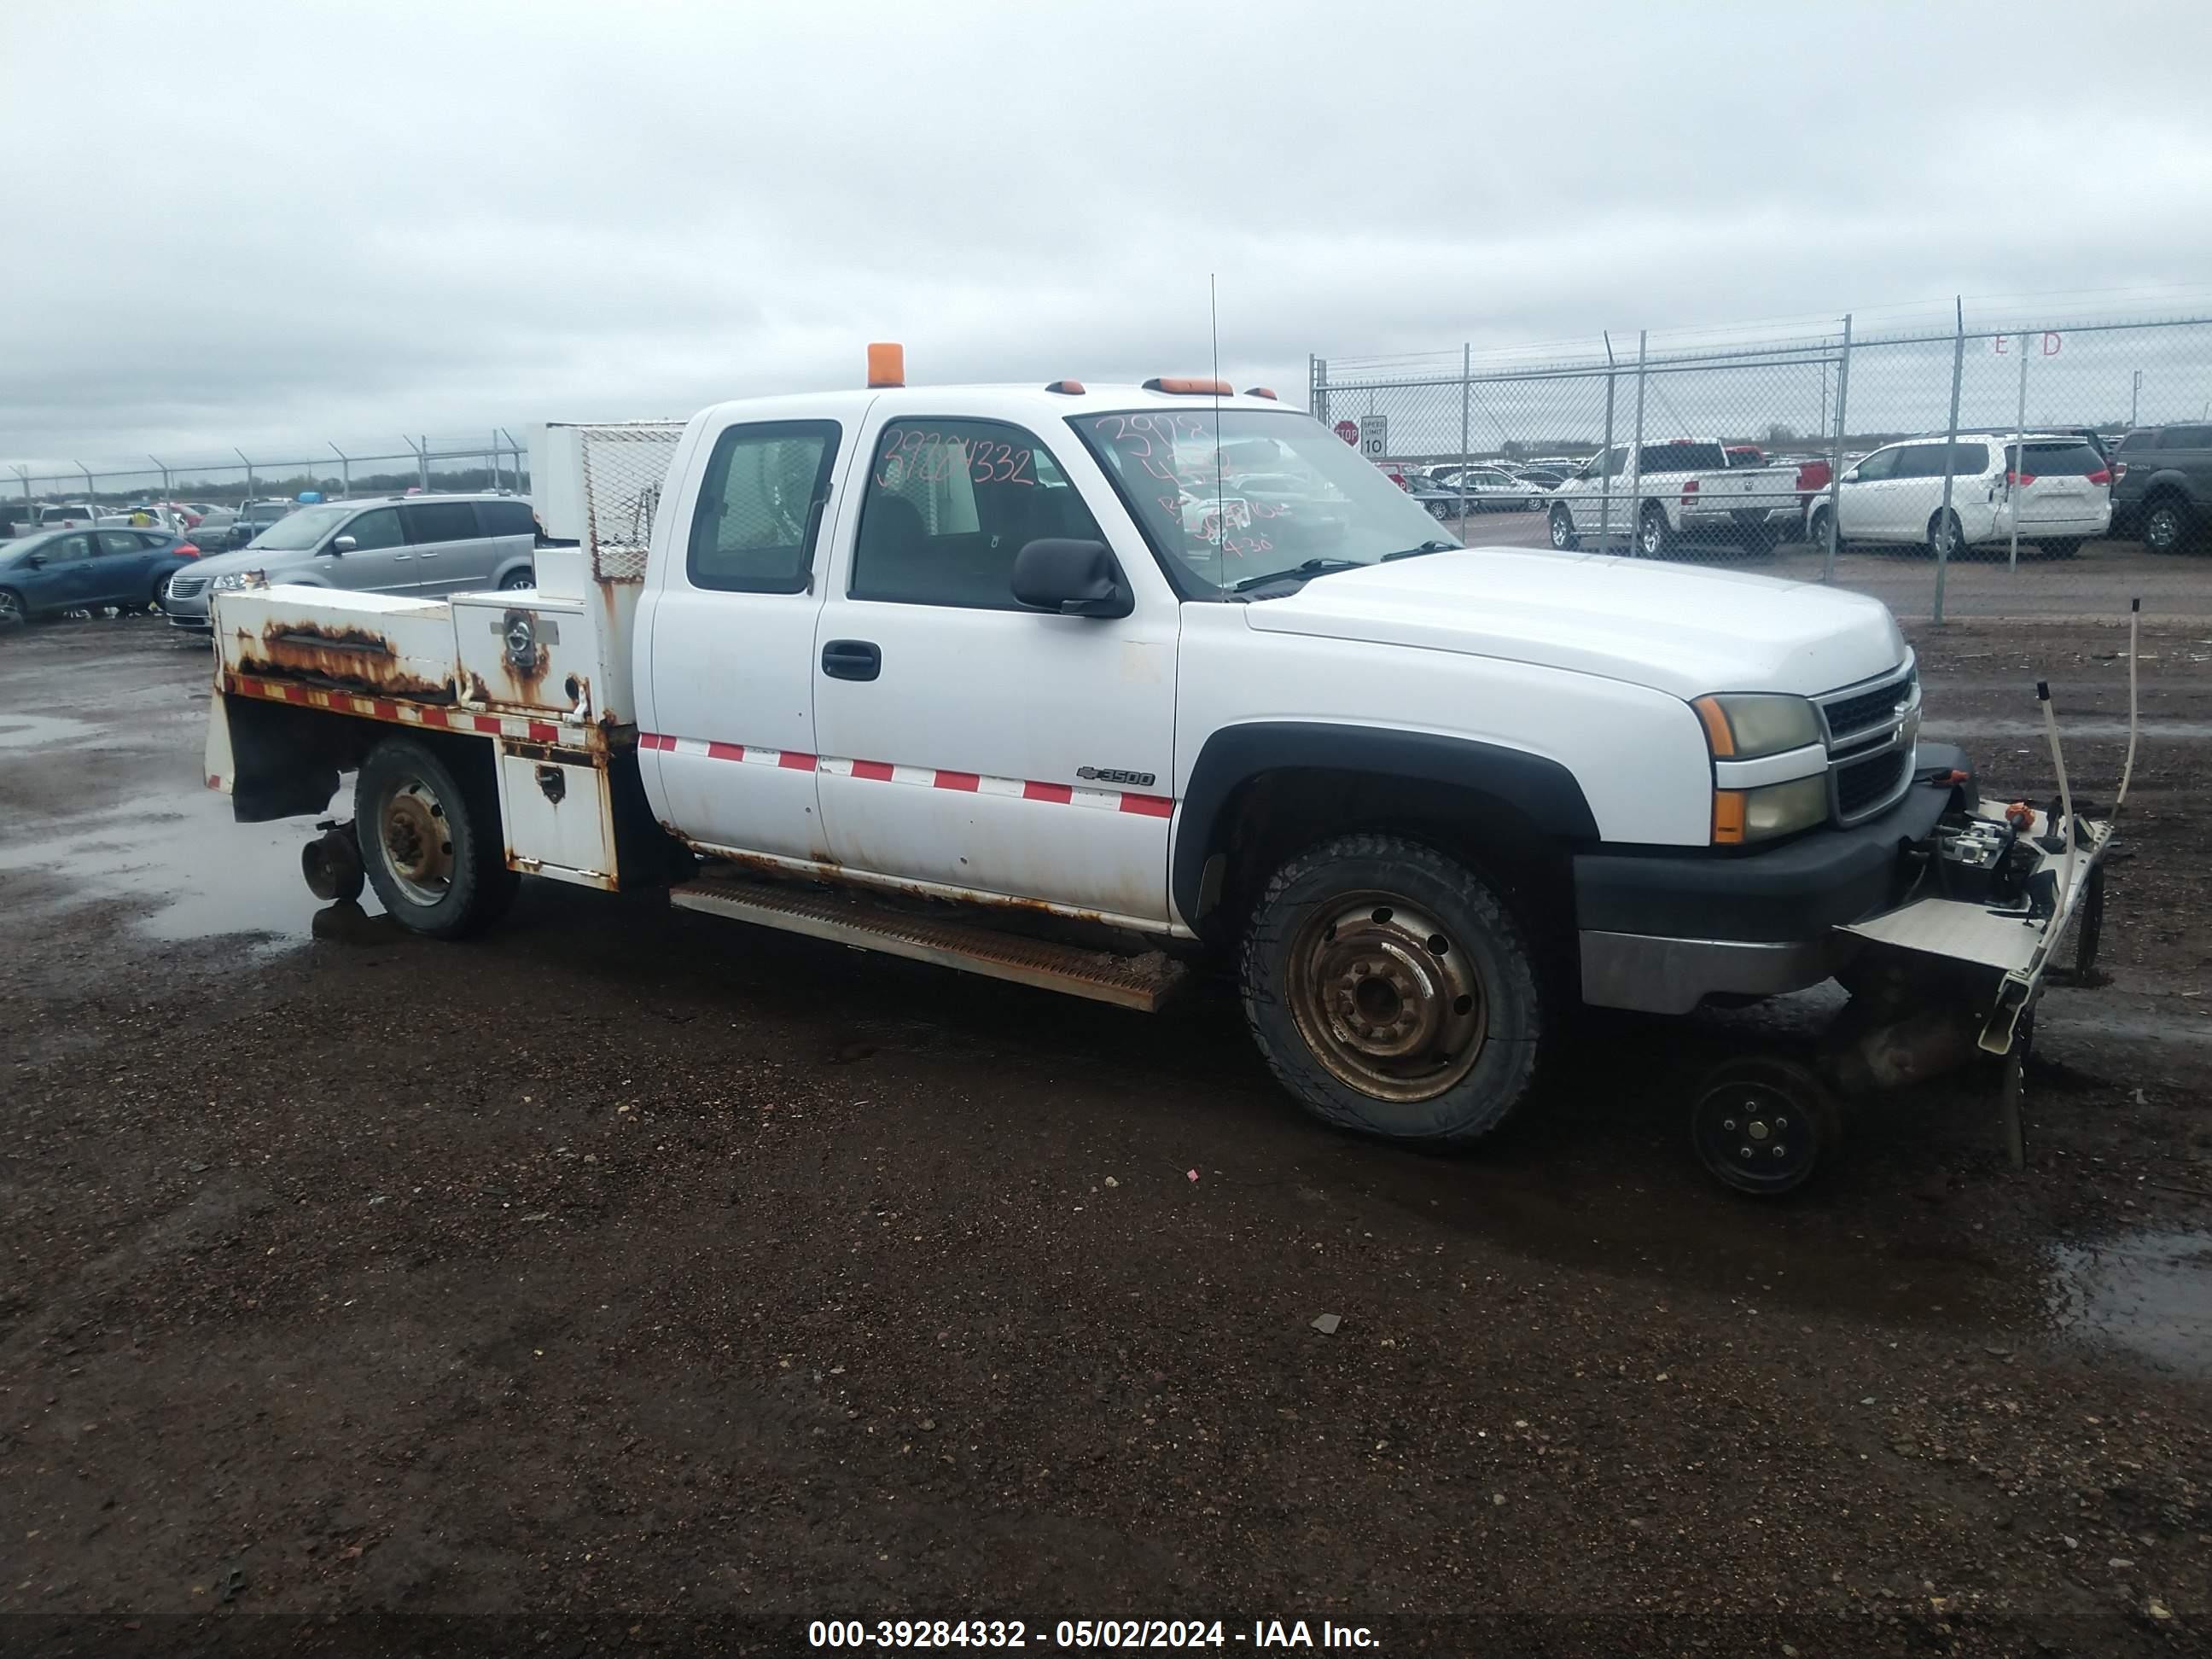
399, 544
2062, 493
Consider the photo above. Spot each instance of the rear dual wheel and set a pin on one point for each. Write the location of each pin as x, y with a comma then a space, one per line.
430, 840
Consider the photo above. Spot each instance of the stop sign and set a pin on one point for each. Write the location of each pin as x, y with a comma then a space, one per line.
1348, 430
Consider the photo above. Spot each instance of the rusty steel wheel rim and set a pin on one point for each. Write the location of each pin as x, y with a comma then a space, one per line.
418, 842
1386, 998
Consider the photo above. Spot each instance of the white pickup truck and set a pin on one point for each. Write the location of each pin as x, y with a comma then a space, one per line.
954, 672
1655, 495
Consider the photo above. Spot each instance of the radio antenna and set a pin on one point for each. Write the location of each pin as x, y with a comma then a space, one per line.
1220, 492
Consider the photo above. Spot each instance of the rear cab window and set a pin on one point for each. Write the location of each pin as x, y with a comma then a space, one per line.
759, 512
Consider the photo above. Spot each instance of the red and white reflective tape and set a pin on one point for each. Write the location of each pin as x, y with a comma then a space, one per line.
396, 710
920, 777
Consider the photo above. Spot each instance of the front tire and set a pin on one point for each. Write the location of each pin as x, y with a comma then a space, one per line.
1563, 531
1392, 993
1816, 529
14, 613
430, 840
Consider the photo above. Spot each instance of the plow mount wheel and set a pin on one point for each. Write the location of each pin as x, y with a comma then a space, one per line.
1762, 1124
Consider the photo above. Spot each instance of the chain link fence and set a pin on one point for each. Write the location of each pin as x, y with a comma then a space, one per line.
1950, 462
495, 461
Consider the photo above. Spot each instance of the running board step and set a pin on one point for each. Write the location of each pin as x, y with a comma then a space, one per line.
1139, 982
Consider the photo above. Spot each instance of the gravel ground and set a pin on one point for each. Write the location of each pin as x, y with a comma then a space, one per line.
626, 1265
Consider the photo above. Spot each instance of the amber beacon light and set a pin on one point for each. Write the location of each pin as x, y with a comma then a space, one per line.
886, 363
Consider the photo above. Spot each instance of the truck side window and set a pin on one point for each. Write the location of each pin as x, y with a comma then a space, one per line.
950, 503
379, 527
760, 506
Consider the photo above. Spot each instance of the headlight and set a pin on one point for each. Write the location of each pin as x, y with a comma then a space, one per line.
1779, 809
1743, 725
236, 579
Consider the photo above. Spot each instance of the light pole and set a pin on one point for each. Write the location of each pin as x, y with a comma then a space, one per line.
2135, 399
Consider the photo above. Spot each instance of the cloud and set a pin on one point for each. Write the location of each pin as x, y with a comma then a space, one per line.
274, 225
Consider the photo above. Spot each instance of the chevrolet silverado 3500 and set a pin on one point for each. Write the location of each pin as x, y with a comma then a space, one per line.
952, 673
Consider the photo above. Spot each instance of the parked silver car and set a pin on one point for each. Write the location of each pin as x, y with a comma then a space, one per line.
393, 544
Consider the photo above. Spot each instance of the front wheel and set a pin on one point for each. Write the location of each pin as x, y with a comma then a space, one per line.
1392, 993
430, 840
1563, 530
13, 611
1816, 528
1440, 511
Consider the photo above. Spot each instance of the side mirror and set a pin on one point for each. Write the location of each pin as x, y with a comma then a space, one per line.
1850, 475
342, 545
37, 560
1075, 578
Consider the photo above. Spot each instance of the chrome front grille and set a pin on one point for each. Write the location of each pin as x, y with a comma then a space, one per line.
1871, 729
185, 588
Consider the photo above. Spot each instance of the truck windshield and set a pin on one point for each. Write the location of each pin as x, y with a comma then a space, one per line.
299, 531
1228, 497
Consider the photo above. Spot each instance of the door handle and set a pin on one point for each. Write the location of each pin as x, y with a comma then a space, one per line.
852, 660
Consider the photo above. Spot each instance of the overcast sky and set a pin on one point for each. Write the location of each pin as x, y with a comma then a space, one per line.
269, 225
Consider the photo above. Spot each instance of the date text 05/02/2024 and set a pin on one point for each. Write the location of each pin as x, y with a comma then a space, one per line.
1260, 1635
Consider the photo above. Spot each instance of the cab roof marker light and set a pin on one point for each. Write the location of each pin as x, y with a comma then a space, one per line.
1066, 388
886, 364
1261, 391
1184, 386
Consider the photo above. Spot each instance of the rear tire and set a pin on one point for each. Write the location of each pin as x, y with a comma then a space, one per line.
1392, 993
430, 840
1957, 549
1655, 537
1563, 531
517, 579
2166, 525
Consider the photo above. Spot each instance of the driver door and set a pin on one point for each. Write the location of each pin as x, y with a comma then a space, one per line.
65, 580
967, 741
380, 560
1867, 499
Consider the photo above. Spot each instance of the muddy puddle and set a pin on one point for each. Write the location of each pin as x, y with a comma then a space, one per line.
2148, 1293
195, 872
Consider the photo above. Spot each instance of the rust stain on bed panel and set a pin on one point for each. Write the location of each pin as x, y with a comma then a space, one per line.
357, 657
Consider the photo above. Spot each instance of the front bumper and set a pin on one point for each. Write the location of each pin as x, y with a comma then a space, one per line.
1662, 931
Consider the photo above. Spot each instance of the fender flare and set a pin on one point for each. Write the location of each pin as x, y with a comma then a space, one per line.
1538, 787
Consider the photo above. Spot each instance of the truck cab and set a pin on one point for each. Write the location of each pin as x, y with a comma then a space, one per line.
955, 672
